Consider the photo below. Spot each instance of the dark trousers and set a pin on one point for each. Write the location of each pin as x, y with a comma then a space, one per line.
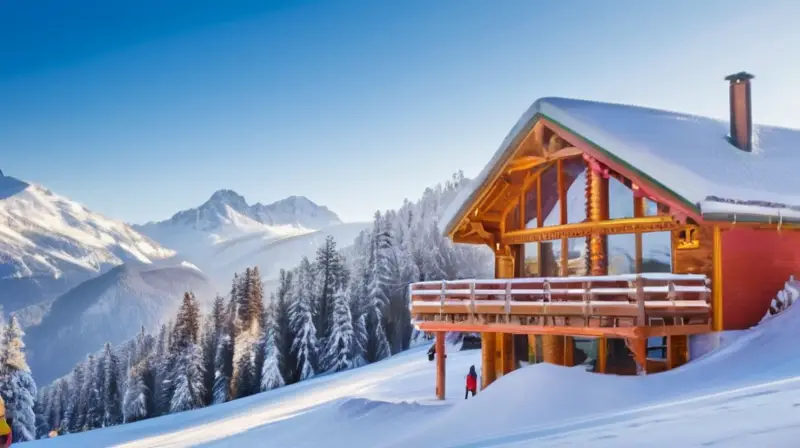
466, 394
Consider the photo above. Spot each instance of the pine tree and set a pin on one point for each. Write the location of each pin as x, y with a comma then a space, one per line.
111, 388
271, 375
329, 274
214, 325
247, 379
283, 328
92, 386
135, 402
223, 370
304, 346
189, 391
16, 383
340, 344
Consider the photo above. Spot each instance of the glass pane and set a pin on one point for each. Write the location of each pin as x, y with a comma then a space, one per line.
549, 258
575, 183
586, 352
531, 260
650, 208
551, 204
512, 219
530, 208
577, 256
657, 252
620, 200
621, 254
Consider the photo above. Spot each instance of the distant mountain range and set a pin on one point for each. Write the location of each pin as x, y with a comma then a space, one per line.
112, 307
77, 279
225, 234
49, 244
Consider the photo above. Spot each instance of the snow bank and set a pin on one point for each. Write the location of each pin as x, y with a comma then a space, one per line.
785, 298
390, 404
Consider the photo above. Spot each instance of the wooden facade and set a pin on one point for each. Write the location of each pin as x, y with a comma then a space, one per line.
568, 286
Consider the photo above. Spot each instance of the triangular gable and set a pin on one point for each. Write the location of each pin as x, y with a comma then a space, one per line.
685, 160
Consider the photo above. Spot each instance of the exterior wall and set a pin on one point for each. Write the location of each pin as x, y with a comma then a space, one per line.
697, 260
755, 266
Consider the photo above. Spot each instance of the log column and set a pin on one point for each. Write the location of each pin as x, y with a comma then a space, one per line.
597, 204
487, 359
504, 343
493, 361
440, 365
677, 351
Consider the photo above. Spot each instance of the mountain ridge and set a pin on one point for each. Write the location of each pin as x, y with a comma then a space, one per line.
50, 243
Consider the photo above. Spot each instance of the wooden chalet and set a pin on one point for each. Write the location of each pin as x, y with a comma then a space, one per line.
619, 232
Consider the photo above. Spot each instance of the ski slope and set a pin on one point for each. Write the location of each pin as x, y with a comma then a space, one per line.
745, 393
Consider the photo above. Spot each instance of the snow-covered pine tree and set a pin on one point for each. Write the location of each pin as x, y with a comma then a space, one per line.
223, 369
212, 330
271, 375
189, 391
186, 359
329, 274
40, 411
54, 405
16, 383
339, 349
111, 387
135, 402
243, 299
92, 385
256, 301
304, 345
283, 329
247, 379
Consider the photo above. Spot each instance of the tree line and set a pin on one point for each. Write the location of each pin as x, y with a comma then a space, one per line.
341, 310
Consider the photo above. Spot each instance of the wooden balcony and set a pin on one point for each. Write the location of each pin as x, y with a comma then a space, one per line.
626, 306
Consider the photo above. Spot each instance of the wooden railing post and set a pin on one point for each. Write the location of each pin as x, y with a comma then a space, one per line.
440, 365
641, 314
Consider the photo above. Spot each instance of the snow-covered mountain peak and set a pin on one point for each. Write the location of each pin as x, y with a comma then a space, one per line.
227, 197
46, 238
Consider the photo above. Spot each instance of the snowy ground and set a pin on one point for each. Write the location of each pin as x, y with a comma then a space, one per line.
746, 393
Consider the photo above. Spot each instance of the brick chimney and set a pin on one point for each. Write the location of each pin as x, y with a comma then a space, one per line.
741, 111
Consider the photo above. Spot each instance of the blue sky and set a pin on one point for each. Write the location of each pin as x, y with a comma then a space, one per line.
141, 108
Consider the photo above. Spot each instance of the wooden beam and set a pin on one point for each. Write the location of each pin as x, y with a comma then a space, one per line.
638, 348
585, 229
524, 163
440, 365
659, 194
716, 280
602, 355
569, 351
488, 375
617, 332
639, 207
562, 197
677, 351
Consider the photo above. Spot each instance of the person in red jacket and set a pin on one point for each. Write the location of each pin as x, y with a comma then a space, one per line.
472, 382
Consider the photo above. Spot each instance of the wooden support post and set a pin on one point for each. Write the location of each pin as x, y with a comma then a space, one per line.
440, 365
487, 359
504, 354
639, 207
597, 203
638, 348
532, 348
602, 355
677, 351
569, 351
716, 281
553, 349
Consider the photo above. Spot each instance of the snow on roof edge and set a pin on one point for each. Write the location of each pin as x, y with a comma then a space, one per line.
455, 211
548, 107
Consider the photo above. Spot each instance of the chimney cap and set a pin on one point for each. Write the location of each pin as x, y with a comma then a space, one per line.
739, 77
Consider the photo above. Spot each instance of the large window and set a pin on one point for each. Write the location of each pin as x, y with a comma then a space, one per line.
620, 200
657, 252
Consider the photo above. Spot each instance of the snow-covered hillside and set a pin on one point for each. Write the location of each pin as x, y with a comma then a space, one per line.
49, 244
226, 234
743, 394
110, 308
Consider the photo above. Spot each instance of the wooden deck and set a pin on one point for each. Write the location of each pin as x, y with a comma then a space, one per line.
629, 306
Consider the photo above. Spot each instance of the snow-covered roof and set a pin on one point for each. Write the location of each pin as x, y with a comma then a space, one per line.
688, 154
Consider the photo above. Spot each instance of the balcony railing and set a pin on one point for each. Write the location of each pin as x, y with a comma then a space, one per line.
629, 300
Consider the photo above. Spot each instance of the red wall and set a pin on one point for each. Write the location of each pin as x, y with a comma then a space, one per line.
755, 266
